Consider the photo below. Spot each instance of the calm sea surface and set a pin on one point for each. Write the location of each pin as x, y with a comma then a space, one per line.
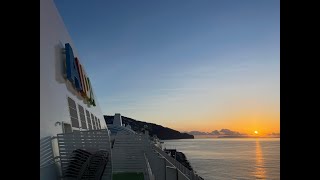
236, 158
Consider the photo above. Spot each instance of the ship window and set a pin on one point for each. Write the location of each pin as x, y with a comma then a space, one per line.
96, 119
73, 113
89, 120
93, 122
67, 128
99, 126
82, 117
97, 123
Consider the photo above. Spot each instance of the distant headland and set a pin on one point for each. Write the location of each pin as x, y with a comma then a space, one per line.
226, 133
161, 132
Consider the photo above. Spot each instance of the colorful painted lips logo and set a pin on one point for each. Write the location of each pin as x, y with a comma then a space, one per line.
77, 76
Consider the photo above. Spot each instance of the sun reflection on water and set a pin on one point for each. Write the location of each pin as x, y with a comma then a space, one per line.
260, 172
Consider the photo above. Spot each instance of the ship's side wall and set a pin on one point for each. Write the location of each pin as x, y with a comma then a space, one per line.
54, 88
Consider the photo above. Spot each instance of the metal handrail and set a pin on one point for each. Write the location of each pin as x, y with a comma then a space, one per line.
151, 175
46, 153
52, 162
178, 165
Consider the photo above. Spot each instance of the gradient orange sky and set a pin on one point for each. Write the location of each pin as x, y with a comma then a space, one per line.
239, 108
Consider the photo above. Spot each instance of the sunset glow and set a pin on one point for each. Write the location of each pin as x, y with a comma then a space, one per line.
256, 132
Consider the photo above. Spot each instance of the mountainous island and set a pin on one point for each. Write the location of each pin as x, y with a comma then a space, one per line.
161, 132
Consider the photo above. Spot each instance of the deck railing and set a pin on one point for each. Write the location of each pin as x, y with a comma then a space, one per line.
91, 141
190, 174
130, 153
46, 152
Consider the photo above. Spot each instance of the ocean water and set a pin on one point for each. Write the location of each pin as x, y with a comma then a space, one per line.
231, 158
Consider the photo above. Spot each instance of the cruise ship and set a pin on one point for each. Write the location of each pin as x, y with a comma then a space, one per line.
75, 141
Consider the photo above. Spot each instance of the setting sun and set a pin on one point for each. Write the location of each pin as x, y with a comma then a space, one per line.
256, 132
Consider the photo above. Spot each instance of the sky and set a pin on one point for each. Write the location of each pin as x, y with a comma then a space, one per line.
185, 64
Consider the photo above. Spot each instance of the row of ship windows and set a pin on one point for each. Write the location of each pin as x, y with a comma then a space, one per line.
82, 118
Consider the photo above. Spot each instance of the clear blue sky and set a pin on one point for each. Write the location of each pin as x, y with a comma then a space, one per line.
186, 64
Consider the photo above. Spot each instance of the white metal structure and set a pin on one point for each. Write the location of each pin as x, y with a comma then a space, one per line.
117, 126
62, 108
54, 88
137, 153
91, 141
